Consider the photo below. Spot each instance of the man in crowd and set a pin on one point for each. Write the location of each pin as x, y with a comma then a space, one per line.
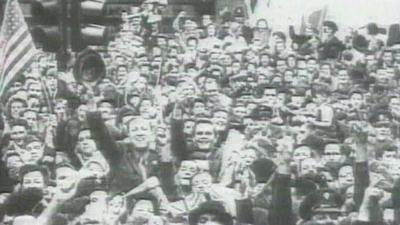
221, 120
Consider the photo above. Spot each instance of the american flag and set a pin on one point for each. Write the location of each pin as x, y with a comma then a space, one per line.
17, 49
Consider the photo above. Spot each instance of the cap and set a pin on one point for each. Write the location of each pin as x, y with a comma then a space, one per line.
325, 200
238, 12
332, 25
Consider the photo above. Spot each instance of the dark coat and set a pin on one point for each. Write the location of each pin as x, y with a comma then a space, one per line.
122, 158
331, 49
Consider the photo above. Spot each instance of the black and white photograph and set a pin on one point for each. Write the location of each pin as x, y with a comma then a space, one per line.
199, 112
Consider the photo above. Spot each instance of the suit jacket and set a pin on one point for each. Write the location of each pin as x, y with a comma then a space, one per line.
331, 49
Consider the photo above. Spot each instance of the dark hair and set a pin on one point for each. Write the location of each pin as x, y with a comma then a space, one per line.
33, 168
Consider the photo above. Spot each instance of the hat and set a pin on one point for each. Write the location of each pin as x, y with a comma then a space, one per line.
263, 169
211, 207
305, 186
238, 12
324, 200
360, 43
393, 35
332, 25
373, 29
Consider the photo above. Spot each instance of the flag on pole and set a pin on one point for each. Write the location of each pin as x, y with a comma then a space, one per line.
314, 19
17, 48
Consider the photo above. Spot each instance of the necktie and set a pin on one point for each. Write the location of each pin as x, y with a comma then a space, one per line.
142, 169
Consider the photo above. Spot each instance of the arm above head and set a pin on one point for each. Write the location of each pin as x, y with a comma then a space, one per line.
106, 143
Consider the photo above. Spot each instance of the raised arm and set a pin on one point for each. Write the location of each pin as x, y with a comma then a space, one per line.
361, 173
106, 144
178, 144
281, 212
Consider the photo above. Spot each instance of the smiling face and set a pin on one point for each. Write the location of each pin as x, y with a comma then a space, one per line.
18, 134
33, 179
186, 171
140, 133
301, 153
204, 136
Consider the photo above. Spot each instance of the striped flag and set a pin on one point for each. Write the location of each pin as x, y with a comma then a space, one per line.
17, 48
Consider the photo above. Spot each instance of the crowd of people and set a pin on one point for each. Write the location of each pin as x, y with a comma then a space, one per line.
214, 122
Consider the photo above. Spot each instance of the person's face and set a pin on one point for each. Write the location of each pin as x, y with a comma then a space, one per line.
220, 120
281, 66
346, 177
192, 45
325, 71
86, 144
143, 209
201, 183
226, 60
199, 108
34, 104
388, 58
15, 86
60, 108
291, 62
98, 202
16, 108
186, 171
312, 65
188, 128
343, 77
141, 84
116, 205
36, 150
14, 163
394, 105
270, 96
239, 111
265, 60
33, 180
65, 178
35, 89
382, 132
208, 219
106, 110
204, 136
211, 88
308, 166
327, 31
31, 118
299, 154
211, 31
121, 73
389, 156
356, 100
140, 133
332, 153
18, 133
393, 168
297, 101
236, 67
82, 112
248, 156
